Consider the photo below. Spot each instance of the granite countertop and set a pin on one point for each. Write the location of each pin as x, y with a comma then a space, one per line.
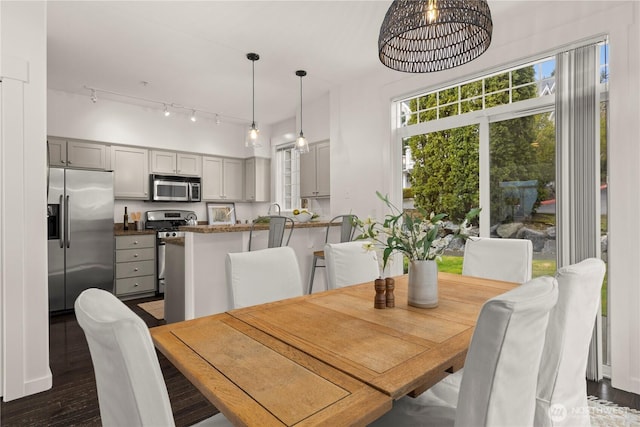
119, 231
205, 229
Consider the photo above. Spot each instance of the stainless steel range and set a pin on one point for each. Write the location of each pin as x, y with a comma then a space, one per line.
166, 223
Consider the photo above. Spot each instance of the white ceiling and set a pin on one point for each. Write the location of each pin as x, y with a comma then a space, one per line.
194, 53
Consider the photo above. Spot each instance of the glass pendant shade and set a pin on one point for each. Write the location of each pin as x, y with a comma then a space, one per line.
423, 36
302, 146
253, 137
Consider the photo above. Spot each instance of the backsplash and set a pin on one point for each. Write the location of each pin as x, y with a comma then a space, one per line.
244, 211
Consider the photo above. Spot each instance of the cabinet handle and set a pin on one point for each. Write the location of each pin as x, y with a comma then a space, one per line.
135, 269
135, 285
68, 161
62, 161
135, 255
135, 242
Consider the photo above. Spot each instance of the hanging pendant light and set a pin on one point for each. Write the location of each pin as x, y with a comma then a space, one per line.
422, 36
302, 146
252, 136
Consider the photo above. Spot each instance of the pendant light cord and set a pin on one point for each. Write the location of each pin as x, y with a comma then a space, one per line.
300, 105
253, 57
301, 74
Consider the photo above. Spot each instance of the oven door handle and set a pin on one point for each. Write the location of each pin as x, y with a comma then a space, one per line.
161, 259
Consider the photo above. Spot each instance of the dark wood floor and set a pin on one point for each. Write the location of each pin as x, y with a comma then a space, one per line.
72, 401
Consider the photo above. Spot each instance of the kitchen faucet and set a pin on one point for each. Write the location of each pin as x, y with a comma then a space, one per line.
273, 204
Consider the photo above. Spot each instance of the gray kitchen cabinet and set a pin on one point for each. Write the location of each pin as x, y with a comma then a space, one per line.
257, 179
222, 178
78, 154
163, 162
315, 171
135, 265
130, 172
189, 164
171, 162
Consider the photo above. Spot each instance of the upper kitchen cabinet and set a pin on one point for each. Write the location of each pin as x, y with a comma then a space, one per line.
78, 154
130, 172
222, 179
170, 162
257, 179
315, 171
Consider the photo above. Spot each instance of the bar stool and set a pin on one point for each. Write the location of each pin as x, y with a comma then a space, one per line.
277, 227
346, 234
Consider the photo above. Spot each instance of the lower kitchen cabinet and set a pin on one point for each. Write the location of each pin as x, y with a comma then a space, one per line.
135, 265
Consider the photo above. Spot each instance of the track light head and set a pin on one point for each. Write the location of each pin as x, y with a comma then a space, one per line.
167, 113
193, 115
94, 97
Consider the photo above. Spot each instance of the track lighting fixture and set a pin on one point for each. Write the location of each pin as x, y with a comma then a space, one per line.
252, 137
302, 146
219, 118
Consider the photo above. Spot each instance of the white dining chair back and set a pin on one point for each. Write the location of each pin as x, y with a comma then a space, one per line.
131, 388
499, 259
561, 382
350, 263
263, 276
498, 386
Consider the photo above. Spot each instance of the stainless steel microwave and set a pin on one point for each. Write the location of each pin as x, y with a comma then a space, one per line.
175, 188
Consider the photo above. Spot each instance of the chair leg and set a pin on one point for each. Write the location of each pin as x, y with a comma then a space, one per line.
313, 273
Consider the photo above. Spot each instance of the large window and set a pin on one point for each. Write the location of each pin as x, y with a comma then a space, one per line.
503, 160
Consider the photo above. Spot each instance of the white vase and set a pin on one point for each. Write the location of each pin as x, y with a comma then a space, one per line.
423, 283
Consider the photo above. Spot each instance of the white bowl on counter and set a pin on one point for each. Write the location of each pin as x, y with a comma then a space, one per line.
303, 217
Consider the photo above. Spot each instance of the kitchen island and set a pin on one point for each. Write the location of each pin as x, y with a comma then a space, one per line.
200, 262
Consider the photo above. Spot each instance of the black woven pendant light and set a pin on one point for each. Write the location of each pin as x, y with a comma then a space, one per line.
423, 36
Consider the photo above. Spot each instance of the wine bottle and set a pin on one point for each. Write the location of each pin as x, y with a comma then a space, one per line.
126, 219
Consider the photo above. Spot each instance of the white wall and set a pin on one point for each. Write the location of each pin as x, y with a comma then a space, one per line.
24, 319
365, 157
75, 116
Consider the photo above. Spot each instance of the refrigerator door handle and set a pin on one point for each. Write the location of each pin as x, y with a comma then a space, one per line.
67, 228
61, 221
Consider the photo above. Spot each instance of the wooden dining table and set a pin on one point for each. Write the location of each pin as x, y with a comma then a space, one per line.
328, 358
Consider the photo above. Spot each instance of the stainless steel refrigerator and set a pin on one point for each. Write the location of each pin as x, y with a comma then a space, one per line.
80, 234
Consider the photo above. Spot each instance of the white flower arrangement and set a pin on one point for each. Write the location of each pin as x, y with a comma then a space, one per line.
418, 237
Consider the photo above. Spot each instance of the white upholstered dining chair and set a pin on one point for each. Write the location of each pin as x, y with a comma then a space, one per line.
131, 389
501, 369
263, 276
499, 259
350, 263
561, 381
